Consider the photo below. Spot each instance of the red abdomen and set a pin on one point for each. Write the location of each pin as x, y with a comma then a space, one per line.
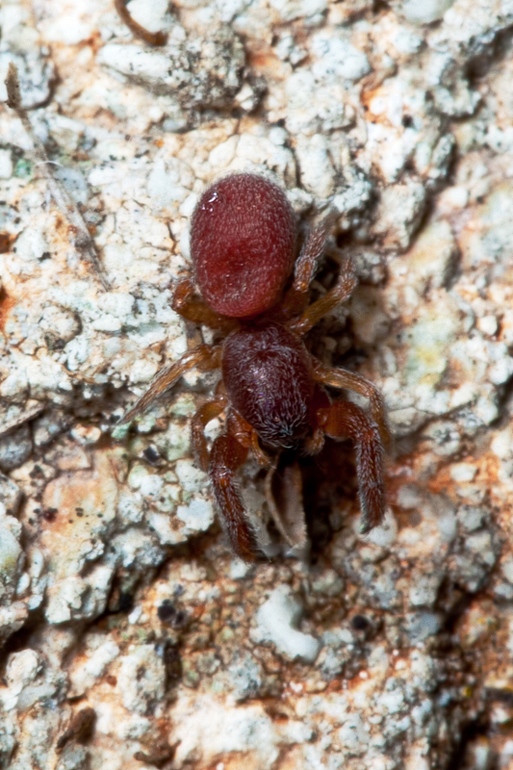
243, 240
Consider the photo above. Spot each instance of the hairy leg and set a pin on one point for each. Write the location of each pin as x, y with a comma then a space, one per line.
204, 357
341, 378
342, 290
203, 416
226, 457
346, 420
187, 303
306, 265
246, 435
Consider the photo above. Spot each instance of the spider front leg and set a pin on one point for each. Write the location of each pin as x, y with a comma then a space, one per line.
228, 453
344, 419
341, 378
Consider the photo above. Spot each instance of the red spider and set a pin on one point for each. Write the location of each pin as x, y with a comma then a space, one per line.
243, 247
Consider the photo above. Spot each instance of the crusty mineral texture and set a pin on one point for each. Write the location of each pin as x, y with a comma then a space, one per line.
131, 637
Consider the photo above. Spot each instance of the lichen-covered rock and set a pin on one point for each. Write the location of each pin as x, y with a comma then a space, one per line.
196, 73
143, 641
276, 619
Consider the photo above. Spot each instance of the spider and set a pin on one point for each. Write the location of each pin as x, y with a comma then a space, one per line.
254, 290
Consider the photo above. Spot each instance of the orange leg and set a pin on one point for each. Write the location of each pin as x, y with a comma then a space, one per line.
341, 378
246, 435
204, 357
339, 293
228, 453
226, 457
187, 303
203, 416
346, 420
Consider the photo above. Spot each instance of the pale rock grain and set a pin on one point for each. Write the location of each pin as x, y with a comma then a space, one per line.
277, 619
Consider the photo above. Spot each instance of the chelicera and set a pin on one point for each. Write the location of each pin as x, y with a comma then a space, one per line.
254, 290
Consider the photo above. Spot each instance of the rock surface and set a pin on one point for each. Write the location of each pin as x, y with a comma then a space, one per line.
131, 637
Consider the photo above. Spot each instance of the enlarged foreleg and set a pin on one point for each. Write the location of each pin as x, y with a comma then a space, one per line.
226, 457
346, 420
341, 378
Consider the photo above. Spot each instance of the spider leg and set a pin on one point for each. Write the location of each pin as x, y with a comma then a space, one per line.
344, 419
204, 357
209, 411
342, 290
226, 456
341, 378
307, 263
228, 453
311, 251
187, 303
